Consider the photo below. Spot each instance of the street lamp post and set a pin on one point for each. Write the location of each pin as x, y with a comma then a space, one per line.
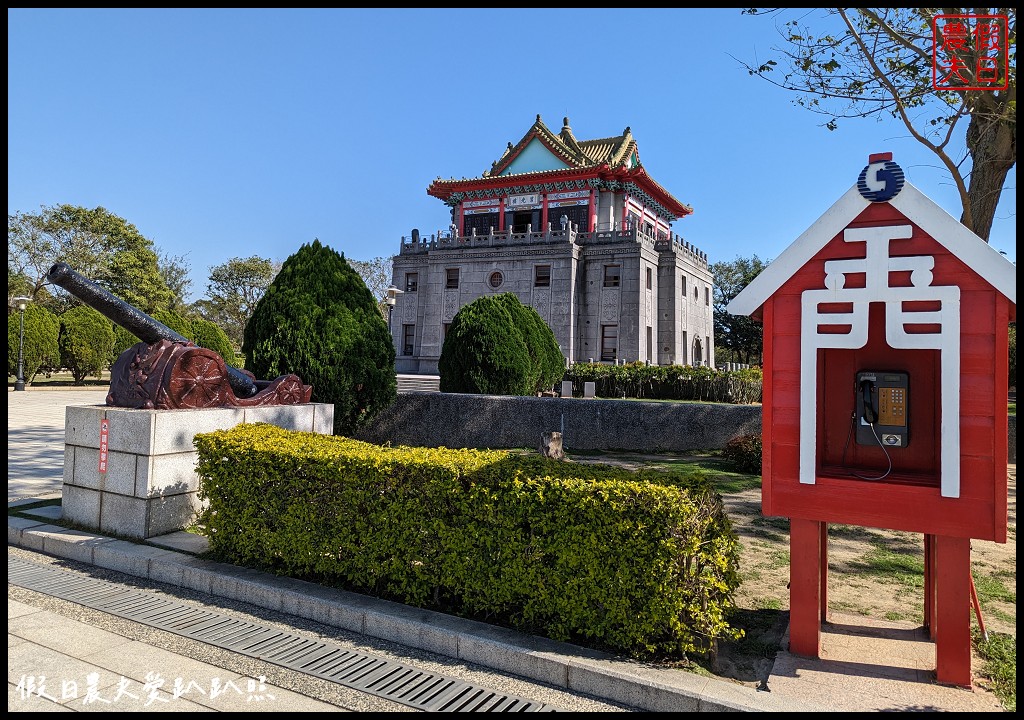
392, 297
19, 379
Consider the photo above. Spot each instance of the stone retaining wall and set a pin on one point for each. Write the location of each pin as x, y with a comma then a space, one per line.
456, 420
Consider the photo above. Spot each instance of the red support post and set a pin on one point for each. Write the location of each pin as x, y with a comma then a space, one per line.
953, 610
805, 581
824, 572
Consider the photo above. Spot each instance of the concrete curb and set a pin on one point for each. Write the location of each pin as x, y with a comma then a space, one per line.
562, 665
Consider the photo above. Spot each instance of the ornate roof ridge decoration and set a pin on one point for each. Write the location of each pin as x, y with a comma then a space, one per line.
564, 145
618, 149
567, 137
612, 157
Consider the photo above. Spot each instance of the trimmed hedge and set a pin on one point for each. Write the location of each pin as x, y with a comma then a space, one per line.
546, 359
596, 555
209, 335
667, 382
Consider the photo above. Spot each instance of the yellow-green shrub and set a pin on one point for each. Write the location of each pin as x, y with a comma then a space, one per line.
589, 554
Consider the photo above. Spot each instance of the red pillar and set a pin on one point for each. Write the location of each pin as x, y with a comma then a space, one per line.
953, 610
805, 581
824, 572
592, 211
929, 585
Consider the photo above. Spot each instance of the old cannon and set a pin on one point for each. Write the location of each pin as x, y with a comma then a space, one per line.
167, 370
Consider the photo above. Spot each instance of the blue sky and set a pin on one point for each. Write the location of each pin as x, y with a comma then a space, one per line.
228, 133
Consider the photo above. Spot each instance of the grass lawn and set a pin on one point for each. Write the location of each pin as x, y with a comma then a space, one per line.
64, 380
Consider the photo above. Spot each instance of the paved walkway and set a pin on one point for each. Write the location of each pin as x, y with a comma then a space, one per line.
35, 438
72, 649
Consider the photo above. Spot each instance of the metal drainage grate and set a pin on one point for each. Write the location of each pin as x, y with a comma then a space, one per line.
385, 678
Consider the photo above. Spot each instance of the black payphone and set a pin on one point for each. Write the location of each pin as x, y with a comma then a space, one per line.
881, 412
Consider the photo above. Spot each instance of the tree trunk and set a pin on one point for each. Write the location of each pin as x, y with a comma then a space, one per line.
992, 143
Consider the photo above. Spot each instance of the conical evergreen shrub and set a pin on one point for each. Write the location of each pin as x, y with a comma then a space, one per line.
318, 320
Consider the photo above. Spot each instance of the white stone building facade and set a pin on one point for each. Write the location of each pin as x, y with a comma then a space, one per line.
578, 231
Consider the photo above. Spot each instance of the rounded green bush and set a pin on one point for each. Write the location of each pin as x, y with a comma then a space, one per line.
209, 335
545, 355
175, 321
202, 332
86, 342
498, 346
123, 339
318, 320
41, 350
744, 452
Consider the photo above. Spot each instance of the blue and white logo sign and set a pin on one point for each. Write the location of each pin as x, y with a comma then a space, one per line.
880, 181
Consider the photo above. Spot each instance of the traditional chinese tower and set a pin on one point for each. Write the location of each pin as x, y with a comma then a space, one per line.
885, 395
578, 230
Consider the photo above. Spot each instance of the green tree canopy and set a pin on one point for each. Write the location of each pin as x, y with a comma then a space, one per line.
95, 243
871, 62
86, 342
199, 330
319, 321
41, 351
209, 335
174, 271
738, 338
234, 289
376, 273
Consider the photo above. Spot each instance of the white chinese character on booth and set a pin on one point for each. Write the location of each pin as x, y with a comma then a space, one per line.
910, 323
68, 690
92, 690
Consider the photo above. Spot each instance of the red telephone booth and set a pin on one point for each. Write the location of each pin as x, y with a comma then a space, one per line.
885, 395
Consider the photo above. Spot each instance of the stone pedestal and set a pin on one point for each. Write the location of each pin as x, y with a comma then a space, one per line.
149, 486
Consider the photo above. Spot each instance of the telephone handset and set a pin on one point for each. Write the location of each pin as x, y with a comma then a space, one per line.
867, 401
881, 413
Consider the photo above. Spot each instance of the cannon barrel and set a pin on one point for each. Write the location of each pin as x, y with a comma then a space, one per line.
133, 320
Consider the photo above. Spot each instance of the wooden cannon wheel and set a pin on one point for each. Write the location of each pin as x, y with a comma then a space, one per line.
199, 379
